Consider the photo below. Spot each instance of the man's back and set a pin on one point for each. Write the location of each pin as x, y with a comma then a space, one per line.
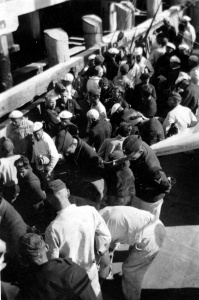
56, 279
72, 234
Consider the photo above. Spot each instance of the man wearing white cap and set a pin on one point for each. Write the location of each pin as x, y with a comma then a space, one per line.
143, 63
111, 63
190, 33
162, 64
45, 154
189, 91
88, 70
183, 52
19, 130
66, 124
99, 130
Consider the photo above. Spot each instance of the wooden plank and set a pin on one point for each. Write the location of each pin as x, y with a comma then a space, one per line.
36, 86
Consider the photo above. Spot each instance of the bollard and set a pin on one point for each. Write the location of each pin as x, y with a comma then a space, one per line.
56, 41
92, 28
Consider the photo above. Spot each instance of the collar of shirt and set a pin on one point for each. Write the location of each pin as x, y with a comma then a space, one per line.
66, 209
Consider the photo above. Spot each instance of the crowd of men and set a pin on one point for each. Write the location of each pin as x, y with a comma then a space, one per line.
82, 178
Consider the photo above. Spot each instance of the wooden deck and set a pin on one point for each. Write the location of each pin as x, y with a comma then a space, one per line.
174, 274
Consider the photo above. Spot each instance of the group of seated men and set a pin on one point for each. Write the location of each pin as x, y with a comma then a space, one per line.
91, 147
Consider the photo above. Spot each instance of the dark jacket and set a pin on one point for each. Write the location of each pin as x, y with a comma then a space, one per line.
121, 186
169, 32
151, 182
85, 162
151, 131
98, 133
71, 128
56, 279
71, 105
51, 122
30, 197
148, 107
190, 97
12, 226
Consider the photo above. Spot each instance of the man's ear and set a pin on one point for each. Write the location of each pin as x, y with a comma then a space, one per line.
47, 247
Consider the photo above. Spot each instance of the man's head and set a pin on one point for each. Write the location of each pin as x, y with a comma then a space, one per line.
145, 77
138, 54
93, 116
99, 59
32, 249
38, 130
146, 91
185, 20
68, 79
50, 102
124, 69
117, 92
182, 81
116, 108
113, 52
174, 99
65, 117
65, 143
184, 49
174, 62
132, 147
16, 117
131, 59
57, 194
23, 166
91, 60
124, 129
166, 21
170, 48
65, 95
8, 147
193, 61
104, 83
94, 96
133, 117
74, 71
98, 71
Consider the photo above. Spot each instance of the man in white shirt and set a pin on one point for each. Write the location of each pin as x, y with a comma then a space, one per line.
143, 63
190, 33
180, 115
72, 233
45, 154
143, 233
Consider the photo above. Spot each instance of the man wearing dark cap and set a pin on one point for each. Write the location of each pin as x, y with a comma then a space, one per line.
120, 181
50, 279
73, 232
31, 196
180, 115
84, 165
151, 183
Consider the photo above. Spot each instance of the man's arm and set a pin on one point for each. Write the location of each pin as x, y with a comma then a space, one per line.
102, 233
52, 239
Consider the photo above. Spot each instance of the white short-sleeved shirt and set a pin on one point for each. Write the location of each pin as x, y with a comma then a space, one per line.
72, 234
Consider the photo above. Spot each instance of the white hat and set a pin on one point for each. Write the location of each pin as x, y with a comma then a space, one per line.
37, 126
186, 18
115, 108
171, 45
183, 46
69, 77
65, 114
138, 51
182, 76
176, 59
93, 114
113, 51
52, 95
15, 114
92, 56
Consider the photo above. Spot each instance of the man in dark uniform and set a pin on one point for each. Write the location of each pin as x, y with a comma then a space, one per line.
50, 279
151, 182
168, 30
